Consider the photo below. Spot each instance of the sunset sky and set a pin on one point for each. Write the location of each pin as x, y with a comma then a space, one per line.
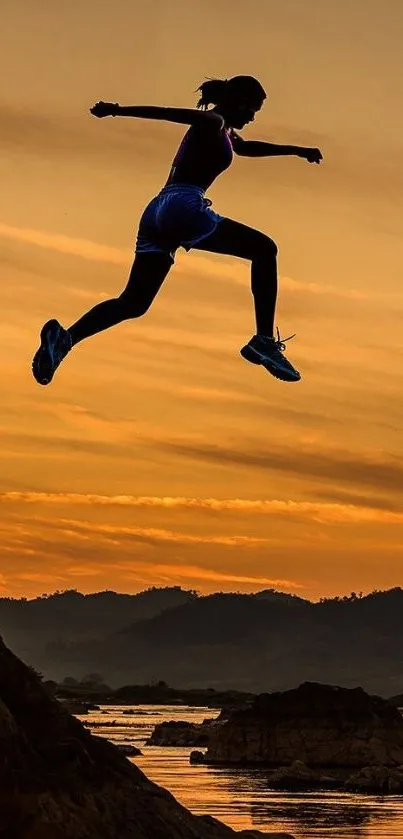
158, 456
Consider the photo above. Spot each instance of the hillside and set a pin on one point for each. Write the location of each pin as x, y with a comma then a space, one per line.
58, 781
69, 616
252, 643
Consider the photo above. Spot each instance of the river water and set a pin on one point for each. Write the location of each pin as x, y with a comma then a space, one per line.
240, 797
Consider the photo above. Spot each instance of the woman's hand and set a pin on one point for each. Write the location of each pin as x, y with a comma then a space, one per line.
312, 155
104, 109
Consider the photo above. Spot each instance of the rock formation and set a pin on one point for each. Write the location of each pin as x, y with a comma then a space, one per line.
182, 733
128, 750
376, 779
320, 725
196, 757
58, 781
298, 776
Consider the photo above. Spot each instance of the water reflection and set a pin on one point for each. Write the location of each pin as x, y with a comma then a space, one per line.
241, 798
309, 813
326, 815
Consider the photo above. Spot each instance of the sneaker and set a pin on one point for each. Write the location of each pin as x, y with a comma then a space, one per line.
269, 353
55, 344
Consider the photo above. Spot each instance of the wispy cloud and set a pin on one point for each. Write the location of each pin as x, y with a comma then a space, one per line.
316, 511
154, 535
83, 248
161, 572
42, 445
81, 549
96, 252
40, 577
381, 472
325, 289
194, 572
82, 138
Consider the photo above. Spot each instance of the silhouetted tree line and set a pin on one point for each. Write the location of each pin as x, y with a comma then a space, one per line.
252, 642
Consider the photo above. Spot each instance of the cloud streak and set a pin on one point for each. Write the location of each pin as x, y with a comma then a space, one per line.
382, 472
98, 544
195, 572
40, 446
153, 535
95, 252
317, 511
68, 245
81, 138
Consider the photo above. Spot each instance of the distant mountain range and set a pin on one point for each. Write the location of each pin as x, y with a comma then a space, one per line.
257, 642
29, 626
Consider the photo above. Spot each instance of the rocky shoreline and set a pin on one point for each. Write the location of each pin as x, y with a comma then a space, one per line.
183, 733
316, 736
159, 694
59, 781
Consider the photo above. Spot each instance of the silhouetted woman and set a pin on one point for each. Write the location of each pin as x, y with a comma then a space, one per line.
181, 216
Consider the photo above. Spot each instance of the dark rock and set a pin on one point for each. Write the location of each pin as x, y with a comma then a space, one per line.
75, 706
196, 757
129, 751
298, 776
396, 701
378, 780
226, 712
98, 724
182, 733
321, 725
58, 781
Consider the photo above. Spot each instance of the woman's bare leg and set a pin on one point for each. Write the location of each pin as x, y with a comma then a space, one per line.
236, 239
148, 272
146, 277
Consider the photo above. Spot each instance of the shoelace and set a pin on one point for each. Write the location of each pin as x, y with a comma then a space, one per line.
280, 344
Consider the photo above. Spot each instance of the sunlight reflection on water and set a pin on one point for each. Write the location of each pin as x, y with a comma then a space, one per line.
240, 797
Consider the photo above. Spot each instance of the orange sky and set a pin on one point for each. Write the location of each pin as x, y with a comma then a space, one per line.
157, 455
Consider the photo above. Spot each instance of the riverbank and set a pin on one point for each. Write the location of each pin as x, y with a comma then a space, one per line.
241, 796
159, 694
58, 780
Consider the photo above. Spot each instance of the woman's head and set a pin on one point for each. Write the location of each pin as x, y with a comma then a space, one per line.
236, 99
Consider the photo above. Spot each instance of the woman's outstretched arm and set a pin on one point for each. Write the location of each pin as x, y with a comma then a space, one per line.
256, 148
185, 116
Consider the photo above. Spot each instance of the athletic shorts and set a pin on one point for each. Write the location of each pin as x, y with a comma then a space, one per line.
179, 216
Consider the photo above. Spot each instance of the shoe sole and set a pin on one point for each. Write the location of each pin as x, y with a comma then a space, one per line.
42, 363
256, 357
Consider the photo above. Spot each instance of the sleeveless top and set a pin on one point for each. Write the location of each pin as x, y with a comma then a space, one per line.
201, 157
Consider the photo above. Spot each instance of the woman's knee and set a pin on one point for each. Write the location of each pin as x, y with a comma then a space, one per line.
265, 247
133, 307
147, 274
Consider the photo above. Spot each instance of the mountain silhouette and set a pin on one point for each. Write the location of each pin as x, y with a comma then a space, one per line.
249, 642
69, 616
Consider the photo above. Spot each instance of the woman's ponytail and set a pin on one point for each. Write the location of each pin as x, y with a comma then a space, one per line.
212, 92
